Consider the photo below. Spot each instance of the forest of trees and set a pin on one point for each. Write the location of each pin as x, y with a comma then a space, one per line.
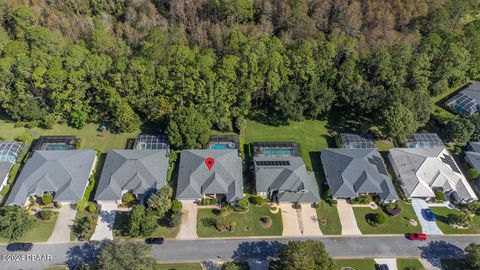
187, 66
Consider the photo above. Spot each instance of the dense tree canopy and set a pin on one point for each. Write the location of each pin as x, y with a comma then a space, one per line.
213, 63
308, 255
15, 222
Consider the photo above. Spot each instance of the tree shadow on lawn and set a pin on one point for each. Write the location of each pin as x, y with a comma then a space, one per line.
261, 250
440, 249
80, 255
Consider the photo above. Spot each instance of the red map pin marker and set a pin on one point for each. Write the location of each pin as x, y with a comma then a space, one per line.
209, 162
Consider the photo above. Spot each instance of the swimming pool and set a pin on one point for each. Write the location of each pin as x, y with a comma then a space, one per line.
220, 146
57, 147
278, 152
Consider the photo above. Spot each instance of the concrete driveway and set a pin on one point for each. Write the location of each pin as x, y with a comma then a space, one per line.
391, 263
290, 220
61, 231
428, 227
347, 218
310, 221
105, 221
188, 227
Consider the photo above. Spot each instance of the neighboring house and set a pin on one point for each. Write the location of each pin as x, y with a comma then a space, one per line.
466, 102
9, 152
210, 173
285, 179
472, 155
140, 172
62, 173
354, 172
422, 170
424, 140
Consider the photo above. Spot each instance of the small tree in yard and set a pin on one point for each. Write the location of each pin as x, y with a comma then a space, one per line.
308, 254
81, 227
117, 255
47, 199
176, 206
474, 174
142, 222
161, 201
439, 195
380, 218
472, 255
128, 198
46, 214
15, 222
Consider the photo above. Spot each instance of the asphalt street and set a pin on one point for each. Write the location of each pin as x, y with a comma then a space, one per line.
44, 255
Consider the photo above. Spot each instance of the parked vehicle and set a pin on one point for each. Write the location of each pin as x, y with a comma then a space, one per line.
19, 247
381, 267
417, 236
154, 241
428, 214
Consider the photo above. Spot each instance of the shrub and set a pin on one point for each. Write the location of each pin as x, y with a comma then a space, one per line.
242, 205
458, 219
128, 198
257, 200
474, 207
25, 138
315, 205
297, 206
57, 205
439, 195
81, 205
48, 121
226, 209
78, 142
176, 206
328, 193
231, 226
380, 218
265, 219
47, 199
46, 214
174, 219
363, 199
208, 222
91, 208
203, 201
474, 174
220, 224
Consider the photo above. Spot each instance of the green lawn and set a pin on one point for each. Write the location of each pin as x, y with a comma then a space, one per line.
403, 264
178, 266
441, 214
121, 224
394, 225
88, 134
310, 135
40, 232
248, 224
328, 213
357, 264
454, 264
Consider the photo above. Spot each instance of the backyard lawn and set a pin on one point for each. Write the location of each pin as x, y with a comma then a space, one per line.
394, 225
441, 215
329, 221
405, 264
179, 266
310, 135
40, 232
247, 224
121, 224
357, 264
88, 134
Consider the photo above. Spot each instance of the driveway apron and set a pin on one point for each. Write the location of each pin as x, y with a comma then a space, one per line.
391, 263
105, 222
290, 220
188, 227
310, 221
61, 232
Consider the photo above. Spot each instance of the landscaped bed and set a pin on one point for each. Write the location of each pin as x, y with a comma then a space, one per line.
328, 219
40, 232
246, 224
121, 223
441, 215
405, 264
394, 225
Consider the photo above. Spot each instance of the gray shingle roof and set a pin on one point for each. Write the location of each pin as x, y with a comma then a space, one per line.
225, 177
138, 171
64, 172
289, 180
473, 159
353, 171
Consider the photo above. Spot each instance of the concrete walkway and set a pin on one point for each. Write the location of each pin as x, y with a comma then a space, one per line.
428, 226
391, 263
310, 220
105, 222
347, 218
291, 226
188, 227
61, 231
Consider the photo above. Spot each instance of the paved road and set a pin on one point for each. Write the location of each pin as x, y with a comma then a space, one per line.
199, 250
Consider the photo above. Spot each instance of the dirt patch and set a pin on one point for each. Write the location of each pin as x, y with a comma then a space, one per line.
266, 222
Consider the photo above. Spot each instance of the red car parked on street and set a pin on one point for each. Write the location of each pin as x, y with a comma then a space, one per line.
417, 236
